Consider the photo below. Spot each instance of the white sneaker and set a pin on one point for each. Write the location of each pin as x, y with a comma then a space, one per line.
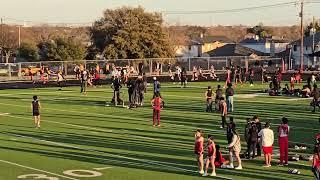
205, 174
201, 172
213, 174
221, 127
238, 168
230, 166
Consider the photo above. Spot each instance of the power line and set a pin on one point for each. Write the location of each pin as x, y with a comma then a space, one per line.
232, 10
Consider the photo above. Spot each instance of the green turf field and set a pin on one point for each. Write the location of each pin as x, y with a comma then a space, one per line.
81, 138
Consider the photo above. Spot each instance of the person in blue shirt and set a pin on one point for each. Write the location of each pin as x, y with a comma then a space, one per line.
156, 87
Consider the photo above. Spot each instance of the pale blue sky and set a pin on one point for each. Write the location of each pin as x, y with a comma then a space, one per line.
80, 11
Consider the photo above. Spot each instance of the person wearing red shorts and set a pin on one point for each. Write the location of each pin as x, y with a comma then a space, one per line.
283, 134
267, 138
198, 149
211, 156
157, 104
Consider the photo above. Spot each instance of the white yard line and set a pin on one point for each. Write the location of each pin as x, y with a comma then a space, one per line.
35, 169
164, 164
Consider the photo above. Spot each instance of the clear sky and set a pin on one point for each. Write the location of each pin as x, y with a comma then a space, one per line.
82, 11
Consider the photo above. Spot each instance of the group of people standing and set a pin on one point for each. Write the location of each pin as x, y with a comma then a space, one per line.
221, 104
257, 138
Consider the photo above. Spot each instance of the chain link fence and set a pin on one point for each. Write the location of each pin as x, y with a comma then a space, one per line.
20, 71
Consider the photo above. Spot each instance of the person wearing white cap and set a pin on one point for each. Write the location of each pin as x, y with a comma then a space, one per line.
156, 87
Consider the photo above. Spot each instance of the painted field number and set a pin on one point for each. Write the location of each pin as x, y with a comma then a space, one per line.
81, 173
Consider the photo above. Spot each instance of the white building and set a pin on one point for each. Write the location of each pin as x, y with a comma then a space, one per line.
311, 46
270, 46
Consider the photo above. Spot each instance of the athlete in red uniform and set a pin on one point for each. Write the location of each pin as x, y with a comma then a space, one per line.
198, 149
211, 156
283, 133
157, 104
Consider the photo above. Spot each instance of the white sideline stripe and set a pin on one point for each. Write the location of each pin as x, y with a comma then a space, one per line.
104, 168
43, 171
125, 157
3, 114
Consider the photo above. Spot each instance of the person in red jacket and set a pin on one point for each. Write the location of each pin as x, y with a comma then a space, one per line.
157, 104
316, 159
283, 134
211, 156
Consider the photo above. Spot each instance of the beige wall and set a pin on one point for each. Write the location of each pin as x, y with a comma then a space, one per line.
211, 46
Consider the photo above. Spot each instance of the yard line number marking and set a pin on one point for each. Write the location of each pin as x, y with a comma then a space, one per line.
81, 173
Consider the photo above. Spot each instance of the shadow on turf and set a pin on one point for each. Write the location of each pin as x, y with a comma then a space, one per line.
125, 159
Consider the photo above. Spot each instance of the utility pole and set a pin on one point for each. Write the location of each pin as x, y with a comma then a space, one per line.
313, 44
1, 40
301, 35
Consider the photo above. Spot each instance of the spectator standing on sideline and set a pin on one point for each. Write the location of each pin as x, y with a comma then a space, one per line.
140, 69
84, 81
267, 139
283, 134
229, 97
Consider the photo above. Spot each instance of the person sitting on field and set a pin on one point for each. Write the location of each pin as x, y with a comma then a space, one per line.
306, 91
219, 161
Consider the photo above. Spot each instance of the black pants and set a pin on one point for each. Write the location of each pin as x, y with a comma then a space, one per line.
252, 149
223, 121
258, 148
116, 98
251, 80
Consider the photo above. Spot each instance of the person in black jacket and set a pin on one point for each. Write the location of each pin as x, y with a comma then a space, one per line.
247, 136
231, 126
259, 127
130, 86
253, 139
116, 86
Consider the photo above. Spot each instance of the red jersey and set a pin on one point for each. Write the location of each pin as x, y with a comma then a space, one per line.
198, 146
210, 150
157, 103
316, 162
283, 130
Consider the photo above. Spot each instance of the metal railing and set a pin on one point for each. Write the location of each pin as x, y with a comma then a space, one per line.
13, 71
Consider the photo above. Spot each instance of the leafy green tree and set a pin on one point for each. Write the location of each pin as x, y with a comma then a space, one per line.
131, 33
28, 52
61, 49
316, 26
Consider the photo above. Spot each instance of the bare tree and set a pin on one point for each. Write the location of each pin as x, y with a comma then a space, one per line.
9, 43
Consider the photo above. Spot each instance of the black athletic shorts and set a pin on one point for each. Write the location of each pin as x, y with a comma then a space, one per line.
35, 113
